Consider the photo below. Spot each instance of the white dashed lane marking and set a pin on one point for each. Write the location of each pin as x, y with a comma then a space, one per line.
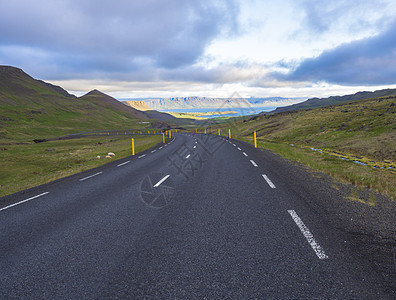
161, 181
269, 181
308, 235
85, 178
253, 163
23, 201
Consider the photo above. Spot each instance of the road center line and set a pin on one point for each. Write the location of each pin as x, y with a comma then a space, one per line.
308, 235
82, 179
23, 201
142, 156
269, 181
161, 181
253, 163
124, 163
245, 154
188, 156
234, 145
239, 149
195, 147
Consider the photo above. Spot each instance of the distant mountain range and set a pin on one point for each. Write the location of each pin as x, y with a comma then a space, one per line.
214, 103
322, 102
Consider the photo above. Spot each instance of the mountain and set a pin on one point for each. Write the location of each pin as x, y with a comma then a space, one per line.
322, 102
107, 101
140, 105
31, 108
214, 103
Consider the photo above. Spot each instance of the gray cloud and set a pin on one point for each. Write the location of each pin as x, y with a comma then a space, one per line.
356, 16
368, 61
89, 36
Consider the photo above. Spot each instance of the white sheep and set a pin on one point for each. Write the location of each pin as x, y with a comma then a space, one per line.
110, 154
98, 157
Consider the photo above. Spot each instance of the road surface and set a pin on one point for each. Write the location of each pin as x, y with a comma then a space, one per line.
199, 217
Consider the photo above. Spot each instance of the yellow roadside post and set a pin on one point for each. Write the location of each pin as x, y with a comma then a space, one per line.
255, 140
196, 130
170, 134
205, 130
163, 138
133, 146
229, 133
219, 132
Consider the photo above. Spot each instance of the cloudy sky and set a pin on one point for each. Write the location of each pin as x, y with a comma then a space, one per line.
162, 48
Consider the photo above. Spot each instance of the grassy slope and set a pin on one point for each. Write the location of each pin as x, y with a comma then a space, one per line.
362, 130
31, 109
26, 166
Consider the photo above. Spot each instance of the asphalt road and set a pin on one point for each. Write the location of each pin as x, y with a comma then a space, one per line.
200, 217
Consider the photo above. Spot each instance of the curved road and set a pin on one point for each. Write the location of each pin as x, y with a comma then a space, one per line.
200, 217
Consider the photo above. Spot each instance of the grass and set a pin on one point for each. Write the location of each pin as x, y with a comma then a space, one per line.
28, 165
379, 180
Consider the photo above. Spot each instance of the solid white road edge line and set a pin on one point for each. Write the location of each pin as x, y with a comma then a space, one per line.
253, 163
245, 154
124, 163
161, 181
23, 201
308, 235
82, 179
269, 181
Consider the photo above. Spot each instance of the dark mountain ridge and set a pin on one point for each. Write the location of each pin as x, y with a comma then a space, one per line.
322, 102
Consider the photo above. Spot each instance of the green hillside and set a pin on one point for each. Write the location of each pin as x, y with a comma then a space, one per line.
31, 109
